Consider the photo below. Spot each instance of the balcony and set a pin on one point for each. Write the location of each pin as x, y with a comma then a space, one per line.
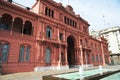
15, 28
16, 35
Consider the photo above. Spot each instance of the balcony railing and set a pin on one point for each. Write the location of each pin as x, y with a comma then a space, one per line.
7, 33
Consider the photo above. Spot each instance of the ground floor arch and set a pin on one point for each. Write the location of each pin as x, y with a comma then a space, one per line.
71, 51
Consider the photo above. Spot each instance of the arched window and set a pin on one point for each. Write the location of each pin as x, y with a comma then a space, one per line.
17, 26
27, 28
49, 32
6, 21
49, 12
4, 50
48, 55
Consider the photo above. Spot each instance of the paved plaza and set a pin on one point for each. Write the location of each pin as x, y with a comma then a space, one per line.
38, 75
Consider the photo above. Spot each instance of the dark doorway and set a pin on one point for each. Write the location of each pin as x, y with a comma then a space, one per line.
70, 52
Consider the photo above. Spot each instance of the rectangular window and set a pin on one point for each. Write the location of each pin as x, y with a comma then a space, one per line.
61, 36
75, 25
49, 32
48, 55
21, 56
49, 12
46, 11
80, 41
97, 58
65, 20
93, 60
27, 53
5, 50
52, 14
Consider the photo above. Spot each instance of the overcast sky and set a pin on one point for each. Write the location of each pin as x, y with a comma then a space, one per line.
100, 14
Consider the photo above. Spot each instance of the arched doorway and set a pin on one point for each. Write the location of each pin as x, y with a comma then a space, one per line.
70, 51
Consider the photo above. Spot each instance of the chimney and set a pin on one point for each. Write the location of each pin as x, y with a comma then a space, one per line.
27, 8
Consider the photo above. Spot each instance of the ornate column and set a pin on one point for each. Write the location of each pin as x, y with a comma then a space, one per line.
81, 55
11, 31
53, 55
85, 57
59, 60
75, 57
66, 62
23, 28
42, 54
58, 35
64, 36
103, 54
43, 31
78, 56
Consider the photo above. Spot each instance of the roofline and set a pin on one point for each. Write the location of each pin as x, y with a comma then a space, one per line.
8, 4
64, 10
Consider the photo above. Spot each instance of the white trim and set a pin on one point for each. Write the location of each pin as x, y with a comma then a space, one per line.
41, 68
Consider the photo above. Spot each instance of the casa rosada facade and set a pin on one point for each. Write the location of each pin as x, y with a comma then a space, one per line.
48, 37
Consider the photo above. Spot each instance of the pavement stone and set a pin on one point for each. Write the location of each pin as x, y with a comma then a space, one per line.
38, 75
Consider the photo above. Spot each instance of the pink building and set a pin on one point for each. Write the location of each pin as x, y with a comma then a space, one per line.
46, 36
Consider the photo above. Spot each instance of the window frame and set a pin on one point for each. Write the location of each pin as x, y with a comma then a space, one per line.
48, 55
93, 58
25, 55
4, 51
48, 32
60, 36
21, 53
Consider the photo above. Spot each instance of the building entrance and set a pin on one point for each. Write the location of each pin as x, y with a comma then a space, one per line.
70, 52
